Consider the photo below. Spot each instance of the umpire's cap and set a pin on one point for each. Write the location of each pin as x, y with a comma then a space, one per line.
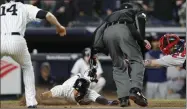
132, 5
16, 0
81, 85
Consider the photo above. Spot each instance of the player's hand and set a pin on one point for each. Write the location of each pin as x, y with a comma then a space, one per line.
61, 30
147, 44
113, 102
46, 95
147, 62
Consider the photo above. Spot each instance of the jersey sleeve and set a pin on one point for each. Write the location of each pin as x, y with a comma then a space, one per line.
57, 91
76, 68
92, 95
32, 12
169, 61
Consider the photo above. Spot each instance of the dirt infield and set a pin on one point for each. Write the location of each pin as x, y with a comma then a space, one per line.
62, 104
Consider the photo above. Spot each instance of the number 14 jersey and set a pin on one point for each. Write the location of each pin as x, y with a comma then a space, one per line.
15, 16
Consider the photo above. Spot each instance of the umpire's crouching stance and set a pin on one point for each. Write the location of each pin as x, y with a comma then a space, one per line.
119, 36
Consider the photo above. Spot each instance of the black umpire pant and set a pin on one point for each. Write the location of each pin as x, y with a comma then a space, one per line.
122, 46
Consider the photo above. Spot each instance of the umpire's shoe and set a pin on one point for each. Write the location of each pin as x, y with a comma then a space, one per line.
32, 106
137, 96
124, 102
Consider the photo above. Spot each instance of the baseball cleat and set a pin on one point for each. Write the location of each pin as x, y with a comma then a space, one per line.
32, 106
124, 102
138, 98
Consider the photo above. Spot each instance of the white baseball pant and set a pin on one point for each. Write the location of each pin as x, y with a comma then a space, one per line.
99, 85
16, 47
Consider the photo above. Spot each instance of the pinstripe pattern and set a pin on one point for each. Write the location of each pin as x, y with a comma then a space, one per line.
13, 22
16, 47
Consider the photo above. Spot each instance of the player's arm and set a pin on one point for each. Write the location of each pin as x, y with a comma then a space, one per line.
149, 62
34, 13
152, 63
165, 61
46, 95
59, 28
54, 92
52, 20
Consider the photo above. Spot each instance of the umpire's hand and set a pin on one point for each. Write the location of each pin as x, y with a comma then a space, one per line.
147, 44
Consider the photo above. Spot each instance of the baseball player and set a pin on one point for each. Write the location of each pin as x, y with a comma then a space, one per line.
76, 90
14, 17
174, 51
82, 65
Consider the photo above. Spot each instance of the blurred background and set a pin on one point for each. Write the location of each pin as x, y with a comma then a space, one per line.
54, 57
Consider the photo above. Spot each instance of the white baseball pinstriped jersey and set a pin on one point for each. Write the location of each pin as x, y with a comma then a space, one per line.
15, 16
81, 67
66, 91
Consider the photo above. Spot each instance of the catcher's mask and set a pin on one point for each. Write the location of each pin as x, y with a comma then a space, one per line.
171, 43
86, 52
81, 85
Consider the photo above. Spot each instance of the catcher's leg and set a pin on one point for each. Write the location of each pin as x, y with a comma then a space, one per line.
21, 55
99, 85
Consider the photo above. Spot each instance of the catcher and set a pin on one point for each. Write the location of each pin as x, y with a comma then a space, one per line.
174, 50
76, 90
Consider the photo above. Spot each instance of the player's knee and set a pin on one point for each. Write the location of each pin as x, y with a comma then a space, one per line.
101, 81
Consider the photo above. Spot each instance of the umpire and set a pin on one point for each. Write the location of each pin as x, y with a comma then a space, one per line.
121, 35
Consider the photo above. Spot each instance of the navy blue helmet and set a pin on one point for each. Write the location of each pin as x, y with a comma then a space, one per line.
81, 85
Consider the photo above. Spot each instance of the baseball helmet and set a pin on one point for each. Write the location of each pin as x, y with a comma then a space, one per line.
170, 43
86, 52
81, 85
